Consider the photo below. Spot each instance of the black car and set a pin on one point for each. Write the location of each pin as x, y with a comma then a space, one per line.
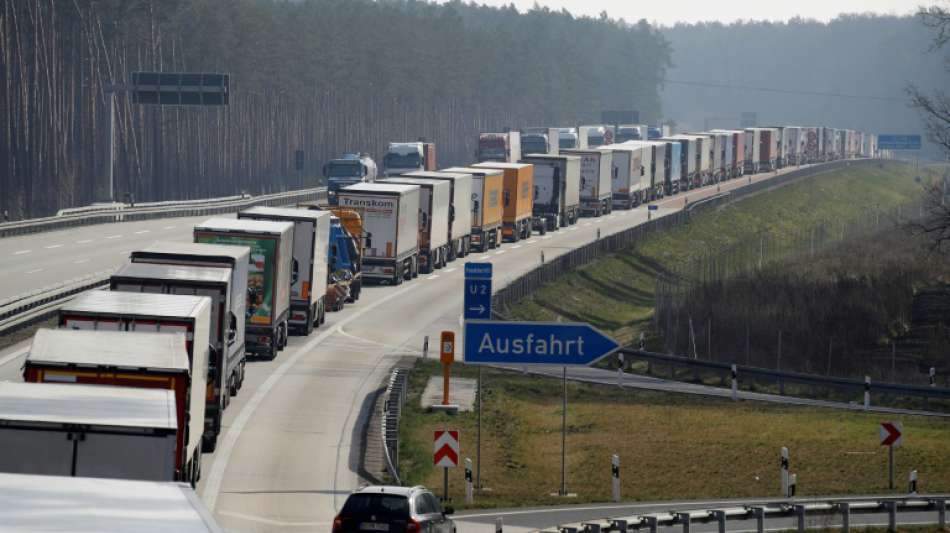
387, 509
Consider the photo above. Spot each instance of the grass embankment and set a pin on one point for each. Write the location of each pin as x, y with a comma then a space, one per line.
616, 293
671, 446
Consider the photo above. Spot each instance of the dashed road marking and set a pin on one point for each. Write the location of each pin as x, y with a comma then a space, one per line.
80, 261
114, 237
449, 270
499, 252
546, 237
143, 231
532, 241
21, 252
34, 271
433, 276
573, 228
598, 221
485, 257
586, 224
84, 241
169, 227
515, 247
52, 246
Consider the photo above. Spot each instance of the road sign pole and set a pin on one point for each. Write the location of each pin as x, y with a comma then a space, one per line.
563, 430
478, 433
890, 467
784, 471
445, 484
111, 137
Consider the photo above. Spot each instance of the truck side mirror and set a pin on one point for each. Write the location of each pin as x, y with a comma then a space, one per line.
295, 272
232, 327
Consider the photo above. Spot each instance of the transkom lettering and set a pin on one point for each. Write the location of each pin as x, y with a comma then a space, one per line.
531, 345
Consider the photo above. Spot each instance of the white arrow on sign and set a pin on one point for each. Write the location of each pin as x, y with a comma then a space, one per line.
480, 309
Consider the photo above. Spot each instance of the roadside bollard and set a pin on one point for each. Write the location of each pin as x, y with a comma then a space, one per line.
620, 368
783, 473
498, 525
735, 383
912, 485
425, 347
792, 481
933, 377
469, 493
615, 475
598, 234
867, 392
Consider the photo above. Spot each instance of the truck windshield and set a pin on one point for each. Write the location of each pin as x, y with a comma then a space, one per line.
595, 140
534, 146
567, 143
628, 135
410, 160
345, 170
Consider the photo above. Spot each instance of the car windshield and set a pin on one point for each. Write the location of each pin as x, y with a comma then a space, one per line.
382, 506
410, 160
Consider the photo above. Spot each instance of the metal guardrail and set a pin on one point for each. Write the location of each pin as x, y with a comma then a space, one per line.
393, 402
144, 211
800, 509
751, 372
22, 311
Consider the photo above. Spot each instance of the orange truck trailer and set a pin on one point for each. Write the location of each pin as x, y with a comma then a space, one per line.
517, 198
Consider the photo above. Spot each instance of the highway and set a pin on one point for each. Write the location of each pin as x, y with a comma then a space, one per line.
290, 449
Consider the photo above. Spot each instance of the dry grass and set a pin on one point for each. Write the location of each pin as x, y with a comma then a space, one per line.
671, 446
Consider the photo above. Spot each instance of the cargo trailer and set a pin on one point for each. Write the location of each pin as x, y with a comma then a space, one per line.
557, 188
390, 215
267, 307
460, 234
435, 202
753, 146
487, 208
517, 198
142, 360
596, 180
309, 271
687, 160
195, 281
627, 162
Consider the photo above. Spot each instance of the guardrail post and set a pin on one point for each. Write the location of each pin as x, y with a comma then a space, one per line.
891, 507
941, 513
720, 517
684, 518
591, 528
867, 392
498, 525
735, 383
620, 526
845, 509
800, 515
759, 514
651, 523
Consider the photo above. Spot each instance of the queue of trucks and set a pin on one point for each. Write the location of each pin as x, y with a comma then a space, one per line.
135, 381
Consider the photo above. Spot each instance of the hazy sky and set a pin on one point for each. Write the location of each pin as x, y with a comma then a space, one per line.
667, 12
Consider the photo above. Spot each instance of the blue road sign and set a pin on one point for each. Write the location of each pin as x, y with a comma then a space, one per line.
891, 141
652, 207
477, 291
535, 343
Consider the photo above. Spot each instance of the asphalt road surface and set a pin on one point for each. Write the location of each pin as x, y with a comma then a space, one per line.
290, 447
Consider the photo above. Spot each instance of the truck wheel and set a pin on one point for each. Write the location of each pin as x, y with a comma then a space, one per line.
398, 279
208, 444
233, 384
308, 329
196, 469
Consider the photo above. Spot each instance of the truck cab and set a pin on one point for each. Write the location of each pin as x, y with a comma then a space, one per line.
628, 132
539, 141
567, 138
500, 147
349, 169
403, 157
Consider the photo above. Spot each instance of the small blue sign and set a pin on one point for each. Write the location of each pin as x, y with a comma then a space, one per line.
891, 141
653, 207
477, 291
478, 270
535, 343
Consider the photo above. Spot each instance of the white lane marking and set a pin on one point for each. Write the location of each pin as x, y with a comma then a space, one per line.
13, 356
84, 241
114, 237
143, 231
598, 221
169, 227
499, 252
532, 241
21, 252
433, 276
485, 257
515, 247
586, 224
52, 246
80, 261
546, 237
271, 522
573, 228
34, 271
230, 438
391, 347
449, 270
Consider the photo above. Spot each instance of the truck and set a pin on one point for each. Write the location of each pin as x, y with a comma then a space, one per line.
688, 160
435, 201
231, 259
769, 150
402, 157
540, 141
596, 180
753, 146
345, 254
811, 145
715, 145
627, 162
64, 429
729, 158
631, 132
142, 360
309, 270
735, 152
390, 213
267, 306
61, 503
347, 170
674, 168
501, 147
196, 281
460, 213
594, 136
518, 206
557, 190
567, 138
656, 162
487, 209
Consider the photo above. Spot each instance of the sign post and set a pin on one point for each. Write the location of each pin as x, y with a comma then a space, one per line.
891, 436
445, 448
447, 356
477, 305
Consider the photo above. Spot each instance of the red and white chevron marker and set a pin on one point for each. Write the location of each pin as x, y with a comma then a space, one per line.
445, 448
891, 433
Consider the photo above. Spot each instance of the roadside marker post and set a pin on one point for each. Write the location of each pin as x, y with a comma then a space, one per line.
469, 493
615, 475
425, 347
735, 383
867, 392
784, 471
912, 485
933, 377
892, 435
792, 481
498, 525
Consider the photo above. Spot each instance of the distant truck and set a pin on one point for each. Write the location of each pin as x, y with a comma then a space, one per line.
310, 271
460, 233
390, 214
735, 152
594, 136
557, 189
567, 138
540, 141
487, 208
656, 164
268, 281
60, 503
627, 164
347, 170
631, 132
501, 147
143, 360
689, 160
753, 145
231, 259
196, 281
517, 199
86, 430
435, 202
654, 133
403, 157
596, 178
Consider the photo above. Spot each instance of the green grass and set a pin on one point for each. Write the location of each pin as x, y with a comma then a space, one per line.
672, 446
616, 293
